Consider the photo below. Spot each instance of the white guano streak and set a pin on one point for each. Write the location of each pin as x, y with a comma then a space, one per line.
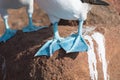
92, 59
100, 40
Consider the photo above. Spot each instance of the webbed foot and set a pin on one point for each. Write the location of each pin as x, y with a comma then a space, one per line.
74, 43
49, 48
7, 35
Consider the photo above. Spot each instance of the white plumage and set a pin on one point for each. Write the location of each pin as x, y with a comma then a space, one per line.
64, 9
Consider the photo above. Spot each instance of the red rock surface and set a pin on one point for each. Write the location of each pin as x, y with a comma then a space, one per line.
116, 4
19, 51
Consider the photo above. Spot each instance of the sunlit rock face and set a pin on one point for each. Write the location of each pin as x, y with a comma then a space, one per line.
115, 3
105, 15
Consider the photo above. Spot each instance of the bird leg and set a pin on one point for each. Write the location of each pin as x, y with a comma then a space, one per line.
31, 27
75, 42
52, 45
9, 33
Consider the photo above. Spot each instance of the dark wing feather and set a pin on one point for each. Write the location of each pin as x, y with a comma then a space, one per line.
95, 2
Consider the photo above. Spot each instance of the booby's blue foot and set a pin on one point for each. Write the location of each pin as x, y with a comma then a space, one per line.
31, 28
52, 45
74, 43
49, 48
7, 35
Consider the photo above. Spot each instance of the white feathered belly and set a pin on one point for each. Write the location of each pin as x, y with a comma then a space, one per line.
64, 9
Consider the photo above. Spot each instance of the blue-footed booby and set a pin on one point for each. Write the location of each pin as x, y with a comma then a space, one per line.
68, 10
